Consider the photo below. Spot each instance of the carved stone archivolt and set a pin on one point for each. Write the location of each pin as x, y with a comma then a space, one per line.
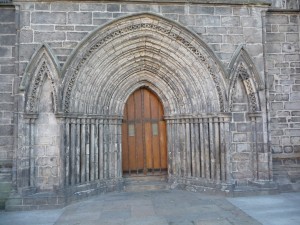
159, 55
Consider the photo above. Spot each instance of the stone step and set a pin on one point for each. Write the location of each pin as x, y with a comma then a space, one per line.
5, 188
34, 202
5, 177
145, 183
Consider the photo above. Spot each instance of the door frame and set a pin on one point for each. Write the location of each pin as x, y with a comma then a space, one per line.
149, 171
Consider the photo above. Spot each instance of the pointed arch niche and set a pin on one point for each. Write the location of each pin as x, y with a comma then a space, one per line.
40, 85
250, 158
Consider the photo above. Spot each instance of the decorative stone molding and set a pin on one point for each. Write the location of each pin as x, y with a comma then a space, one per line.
140, 25
43, 65
242, 67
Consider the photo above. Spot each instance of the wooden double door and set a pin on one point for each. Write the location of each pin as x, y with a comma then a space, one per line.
144, 144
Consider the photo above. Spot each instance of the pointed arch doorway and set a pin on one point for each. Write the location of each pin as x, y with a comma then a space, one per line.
144, 139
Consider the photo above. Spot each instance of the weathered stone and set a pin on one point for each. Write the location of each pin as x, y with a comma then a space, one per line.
7, 40
49, 17
277, 19
79, 18
223, 11
76, 36
67, 28
230, 21
48, 36
26, 36
5, 52
208, 21
7, 28
7, 15
113, 8
92, 7
61, 6
242, 147
195, 9
135, 8
195, 79
42, 6
292, 105
174, 9
276, 37
240, 137
187, 20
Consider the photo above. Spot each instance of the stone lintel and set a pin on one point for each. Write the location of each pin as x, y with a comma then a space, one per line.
222, 2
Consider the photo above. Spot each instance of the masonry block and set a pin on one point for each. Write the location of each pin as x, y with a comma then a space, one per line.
135, 8
277, 19
42, 6
49, 36
92, 7
7, 40
61, 6
76, 36
175, 9
208, 20
230, 21
49, 17
80, 18
198, 9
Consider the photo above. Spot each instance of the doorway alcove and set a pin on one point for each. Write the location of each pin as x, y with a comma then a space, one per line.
90, 100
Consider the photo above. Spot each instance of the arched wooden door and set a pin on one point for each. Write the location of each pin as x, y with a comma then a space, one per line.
144, 142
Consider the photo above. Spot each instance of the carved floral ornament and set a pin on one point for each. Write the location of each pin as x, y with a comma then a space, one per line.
141, 27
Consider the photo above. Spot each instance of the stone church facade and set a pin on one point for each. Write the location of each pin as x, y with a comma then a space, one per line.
225, 76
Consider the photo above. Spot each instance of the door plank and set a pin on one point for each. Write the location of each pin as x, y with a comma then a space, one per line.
145, 147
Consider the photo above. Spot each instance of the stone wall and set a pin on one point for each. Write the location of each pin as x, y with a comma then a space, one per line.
7, 73
63, 25
242, 36
283, 69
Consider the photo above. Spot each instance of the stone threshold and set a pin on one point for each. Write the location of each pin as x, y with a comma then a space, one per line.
221, 2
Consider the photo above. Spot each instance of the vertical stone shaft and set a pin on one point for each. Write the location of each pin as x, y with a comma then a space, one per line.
77, 147
206, 148
72, 151
100, 143
92, 149
82, 152
67, 151
32, 153
96, 146
217, 148
87, 149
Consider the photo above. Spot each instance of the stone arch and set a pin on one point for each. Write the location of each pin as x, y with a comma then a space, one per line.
43, 65
143, 48
242, 67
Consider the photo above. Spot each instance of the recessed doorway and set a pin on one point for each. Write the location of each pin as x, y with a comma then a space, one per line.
144, 139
